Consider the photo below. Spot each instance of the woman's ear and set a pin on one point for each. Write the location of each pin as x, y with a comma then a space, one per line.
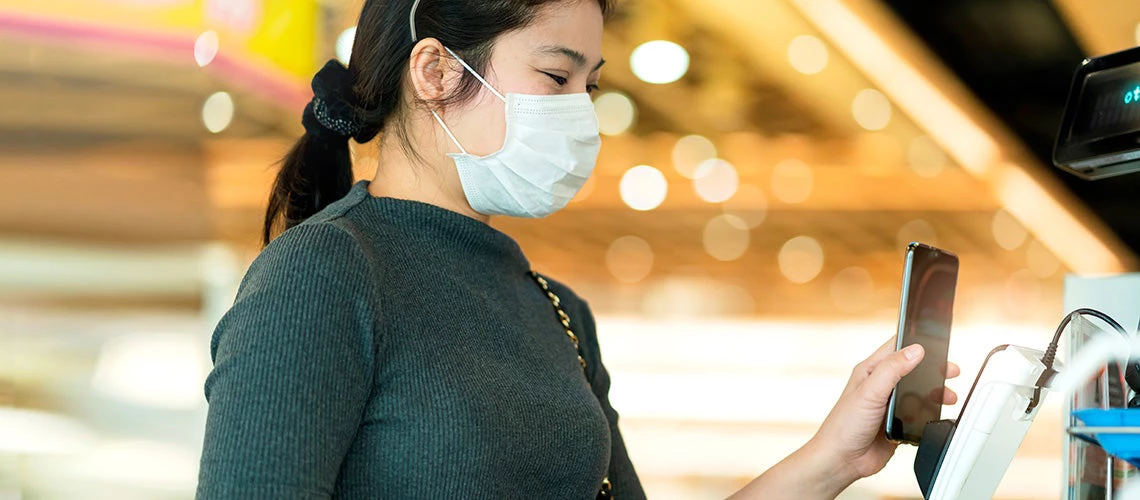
433, 75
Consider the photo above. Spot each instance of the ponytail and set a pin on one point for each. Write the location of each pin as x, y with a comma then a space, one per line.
317, 171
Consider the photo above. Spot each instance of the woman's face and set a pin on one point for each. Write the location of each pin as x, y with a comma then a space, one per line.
559, 53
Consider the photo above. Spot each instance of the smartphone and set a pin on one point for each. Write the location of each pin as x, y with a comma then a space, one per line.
925, 315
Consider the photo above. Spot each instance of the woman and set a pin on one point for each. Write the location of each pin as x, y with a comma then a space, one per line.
391, 344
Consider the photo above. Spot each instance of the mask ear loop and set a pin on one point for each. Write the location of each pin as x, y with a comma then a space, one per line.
448, 131
476, 75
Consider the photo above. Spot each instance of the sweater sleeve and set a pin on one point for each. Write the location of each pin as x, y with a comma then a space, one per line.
623, 476
293, 363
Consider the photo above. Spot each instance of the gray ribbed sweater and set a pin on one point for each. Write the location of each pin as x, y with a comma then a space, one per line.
392, 349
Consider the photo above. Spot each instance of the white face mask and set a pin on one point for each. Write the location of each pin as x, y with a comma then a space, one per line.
548, 153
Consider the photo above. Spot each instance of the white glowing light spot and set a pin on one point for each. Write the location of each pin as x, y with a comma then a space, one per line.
872, 109
218, 112
716, 180
206, 48
616, 113
643, 187
659, 62
807, 54
344, 45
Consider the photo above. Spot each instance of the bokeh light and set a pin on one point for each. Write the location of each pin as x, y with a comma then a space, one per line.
689, 152
616, 113
749, 204
218, 112
643, 187
852, 290
629, 259
344, 45
206, 48
926, 157
807, 54
1008, 231
726, 237
659, 61
916, 230
872, 109
801, 259
716, 180
792, 181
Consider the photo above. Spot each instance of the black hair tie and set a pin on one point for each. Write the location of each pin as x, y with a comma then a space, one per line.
333, 113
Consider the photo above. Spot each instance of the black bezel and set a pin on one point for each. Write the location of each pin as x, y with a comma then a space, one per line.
1095, 159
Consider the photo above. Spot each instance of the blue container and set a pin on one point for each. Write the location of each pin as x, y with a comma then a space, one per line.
1126, 446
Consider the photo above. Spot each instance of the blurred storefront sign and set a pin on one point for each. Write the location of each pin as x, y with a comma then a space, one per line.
275, 38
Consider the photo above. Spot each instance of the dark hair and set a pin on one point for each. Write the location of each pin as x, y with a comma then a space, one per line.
318, 169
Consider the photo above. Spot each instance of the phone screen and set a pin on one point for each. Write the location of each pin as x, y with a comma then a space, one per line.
925, 316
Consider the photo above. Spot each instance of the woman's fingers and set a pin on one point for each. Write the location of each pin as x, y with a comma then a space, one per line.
952, 370
949, 397
868, 365
888, 371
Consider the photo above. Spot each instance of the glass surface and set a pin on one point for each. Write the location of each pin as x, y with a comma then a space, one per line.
929, 311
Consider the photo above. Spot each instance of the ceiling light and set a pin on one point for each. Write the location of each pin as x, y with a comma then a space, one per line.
615, 111
807, 54
689, 152
206, 48
218, 112
872, 109
659, 61
629, 259
643, 187
716, 180
726, 237
801, 259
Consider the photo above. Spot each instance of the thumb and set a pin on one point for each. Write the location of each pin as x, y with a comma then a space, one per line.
888, 372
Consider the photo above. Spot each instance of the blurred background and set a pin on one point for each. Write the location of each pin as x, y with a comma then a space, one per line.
764, 163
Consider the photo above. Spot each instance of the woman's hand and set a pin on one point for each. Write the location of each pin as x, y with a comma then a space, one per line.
851, 443
853, 432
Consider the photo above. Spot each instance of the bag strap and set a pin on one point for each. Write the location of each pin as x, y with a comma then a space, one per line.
607, 489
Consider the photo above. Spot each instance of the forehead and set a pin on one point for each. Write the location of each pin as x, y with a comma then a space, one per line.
576, 25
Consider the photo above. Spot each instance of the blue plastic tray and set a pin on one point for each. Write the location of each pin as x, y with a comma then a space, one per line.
1126, 446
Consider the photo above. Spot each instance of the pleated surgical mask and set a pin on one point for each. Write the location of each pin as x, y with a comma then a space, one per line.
549, 151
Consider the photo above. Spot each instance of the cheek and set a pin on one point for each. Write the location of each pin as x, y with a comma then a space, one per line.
485, 127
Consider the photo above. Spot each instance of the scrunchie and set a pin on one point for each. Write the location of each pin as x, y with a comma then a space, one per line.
334, 113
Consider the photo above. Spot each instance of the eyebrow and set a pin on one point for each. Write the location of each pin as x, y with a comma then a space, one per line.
578, 58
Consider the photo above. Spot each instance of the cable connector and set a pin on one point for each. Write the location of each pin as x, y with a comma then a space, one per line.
1051, 352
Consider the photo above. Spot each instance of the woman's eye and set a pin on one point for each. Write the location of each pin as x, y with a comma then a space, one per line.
591, 88
557, 79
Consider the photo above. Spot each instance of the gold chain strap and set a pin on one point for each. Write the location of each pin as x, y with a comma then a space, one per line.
606, 491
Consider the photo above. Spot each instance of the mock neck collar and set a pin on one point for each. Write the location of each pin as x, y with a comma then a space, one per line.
443, 229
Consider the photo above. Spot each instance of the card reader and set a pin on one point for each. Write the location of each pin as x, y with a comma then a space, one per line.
966, 458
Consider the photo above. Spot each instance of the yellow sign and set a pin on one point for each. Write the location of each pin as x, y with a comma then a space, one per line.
281, 33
